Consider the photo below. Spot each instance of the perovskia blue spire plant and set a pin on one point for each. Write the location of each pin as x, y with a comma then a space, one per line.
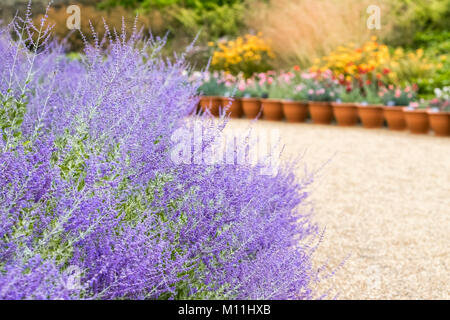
87, 184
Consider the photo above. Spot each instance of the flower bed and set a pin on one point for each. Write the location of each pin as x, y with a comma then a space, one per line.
293, 95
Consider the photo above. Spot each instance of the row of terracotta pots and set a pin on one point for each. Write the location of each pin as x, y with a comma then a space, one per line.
346, 114
418, 121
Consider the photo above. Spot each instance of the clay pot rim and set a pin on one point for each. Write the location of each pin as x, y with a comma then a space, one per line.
271, 100
250, 99
294, 102
344, 104
320, 102
369, 106
394, 108
422, 111
440, 113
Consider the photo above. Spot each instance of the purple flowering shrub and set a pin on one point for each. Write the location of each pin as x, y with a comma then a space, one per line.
86, 181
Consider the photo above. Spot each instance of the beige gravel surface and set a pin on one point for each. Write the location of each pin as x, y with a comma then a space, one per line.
384, 199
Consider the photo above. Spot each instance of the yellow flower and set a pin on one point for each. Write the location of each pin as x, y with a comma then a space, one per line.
236, 55
398, 52
419, 52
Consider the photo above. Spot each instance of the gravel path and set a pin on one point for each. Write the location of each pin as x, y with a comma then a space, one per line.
384, 199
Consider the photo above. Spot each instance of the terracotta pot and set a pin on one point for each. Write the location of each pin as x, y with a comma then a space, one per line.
417, 121
371, 116
235, 107
321, 112
251, 107
440, 123
346, 114
212, 104
295, 111
272, 109
395, 118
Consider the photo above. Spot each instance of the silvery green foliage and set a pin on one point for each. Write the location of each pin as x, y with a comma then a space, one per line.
86, 180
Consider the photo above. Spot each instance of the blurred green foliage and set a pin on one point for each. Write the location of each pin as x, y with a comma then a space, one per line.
213, 18
412, 17
208, 20
215, 22
424, 24
437, 46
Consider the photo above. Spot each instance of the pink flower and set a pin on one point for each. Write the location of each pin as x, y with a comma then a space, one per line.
310, 91
320, 91
286, 78
299, 87
398, 93
308, 75
435, 100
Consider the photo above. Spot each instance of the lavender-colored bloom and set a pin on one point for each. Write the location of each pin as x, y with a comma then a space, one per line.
86, 180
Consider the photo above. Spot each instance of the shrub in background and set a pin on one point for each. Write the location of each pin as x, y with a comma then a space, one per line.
207, 20
87, 180
90, 15
413, 18
212, 21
